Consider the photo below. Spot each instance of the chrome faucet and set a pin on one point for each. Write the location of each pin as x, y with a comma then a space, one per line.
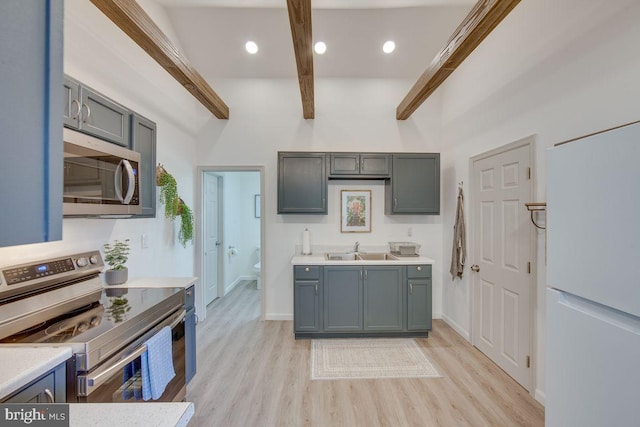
356, 246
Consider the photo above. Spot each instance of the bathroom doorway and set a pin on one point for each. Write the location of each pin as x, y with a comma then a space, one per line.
231, 229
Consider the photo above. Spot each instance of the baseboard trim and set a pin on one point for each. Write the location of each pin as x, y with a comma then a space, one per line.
540, 396
460, 330
278, 316
239, 279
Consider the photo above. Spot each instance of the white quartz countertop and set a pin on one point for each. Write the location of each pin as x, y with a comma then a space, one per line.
157, 282
157, 414
319, 259
21, 365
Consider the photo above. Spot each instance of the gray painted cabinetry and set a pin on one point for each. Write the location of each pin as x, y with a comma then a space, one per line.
49, 388
414, 187
143, 140
353, 165
190, 333
356, 300
302, 183
90, 112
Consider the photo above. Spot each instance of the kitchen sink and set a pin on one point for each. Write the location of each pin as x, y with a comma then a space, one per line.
359, 256
376, 256
341, 256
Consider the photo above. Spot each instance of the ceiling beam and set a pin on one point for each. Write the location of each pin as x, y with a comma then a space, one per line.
134, 21
300, 21
482, 19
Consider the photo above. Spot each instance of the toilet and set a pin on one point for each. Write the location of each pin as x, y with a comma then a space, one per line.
256, 267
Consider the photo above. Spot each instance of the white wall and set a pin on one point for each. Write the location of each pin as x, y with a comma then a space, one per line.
102, 56
241, 228
556, 69
351, 114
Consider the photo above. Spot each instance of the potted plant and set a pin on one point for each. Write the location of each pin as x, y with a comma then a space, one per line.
186, 225
116, 256
168, 192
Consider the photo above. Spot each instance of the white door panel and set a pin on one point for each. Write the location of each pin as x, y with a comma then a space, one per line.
501, 248
211, 236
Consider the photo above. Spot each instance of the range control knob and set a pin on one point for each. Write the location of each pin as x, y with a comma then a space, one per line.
94, 259
82, 262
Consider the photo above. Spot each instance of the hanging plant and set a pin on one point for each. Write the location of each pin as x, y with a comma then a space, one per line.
168, 192
186, 225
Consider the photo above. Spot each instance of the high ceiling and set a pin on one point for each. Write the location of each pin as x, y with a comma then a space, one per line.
212, 34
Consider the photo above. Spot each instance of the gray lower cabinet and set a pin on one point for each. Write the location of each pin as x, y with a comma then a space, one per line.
419, 301
342, 299
302, 183
190, 322
356, 300
90, 112
49, 388
414, 187
307, 293
31, 42
383, 298
143, 140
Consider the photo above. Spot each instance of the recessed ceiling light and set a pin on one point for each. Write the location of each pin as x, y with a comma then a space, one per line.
388, 47
251, 47
320, 48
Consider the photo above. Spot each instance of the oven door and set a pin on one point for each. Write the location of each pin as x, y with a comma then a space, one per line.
118, 379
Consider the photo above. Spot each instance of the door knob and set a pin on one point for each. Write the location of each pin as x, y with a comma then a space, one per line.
475, 267
218, 243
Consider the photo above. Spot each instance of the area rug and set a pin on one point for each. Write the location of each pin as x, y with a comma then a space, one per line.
333, 359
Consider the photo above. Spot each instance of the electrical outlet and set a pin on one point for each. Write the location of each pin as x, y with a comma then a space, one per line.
144, 241
410, 231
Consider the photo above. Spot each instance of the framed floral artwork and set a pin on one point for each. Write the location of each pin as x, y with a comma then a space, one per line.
355, 208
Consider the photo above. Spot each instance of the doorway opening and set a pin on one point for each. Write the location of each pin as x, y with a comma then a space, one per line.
231, 231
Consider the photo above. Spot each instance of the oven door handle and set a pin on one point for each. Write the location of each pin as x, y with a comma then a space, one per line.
103, 376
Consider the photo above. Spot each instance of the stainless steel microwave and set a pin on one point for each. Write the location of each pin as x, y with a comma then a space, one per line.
100, 178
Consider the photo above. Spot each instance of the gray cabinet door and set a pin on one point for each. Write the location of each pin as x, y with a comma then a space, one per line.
342, 299
374, 164
306, 309
143, 140
414, 185
104, 118
344, 164
383, 298
354, 165
51, 385
190, 334
71, 95
30, 110
302, 183
418, 304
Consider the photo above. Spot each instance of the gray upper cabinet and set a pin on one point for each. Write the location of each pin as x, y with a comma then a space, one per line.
414, 187
143, 140
95, 114
302, 183
383, 298
353, 165
30, 110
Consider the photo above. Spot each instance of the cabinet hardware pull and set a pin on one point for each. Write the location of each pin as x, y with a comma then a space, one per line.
410, 288
307, 269
419, 268
316, 289
49, 395
189, 293
360, 274
77, 113
88, 112
366, 275
395, 202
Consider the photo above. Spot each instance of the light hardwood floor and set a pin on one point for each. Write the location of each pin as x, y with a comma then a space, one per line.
253, 373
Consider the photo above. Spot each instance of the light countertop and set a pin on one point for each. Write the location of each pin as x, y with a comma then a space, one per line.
319, 259
21, 365
157, 414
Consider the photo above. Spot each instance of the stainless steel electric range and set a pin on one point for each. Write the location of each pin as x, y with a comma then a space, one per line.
61, 302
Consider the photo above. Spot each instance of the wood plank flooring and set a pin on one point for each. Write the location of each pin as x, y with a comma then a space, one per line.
253, 373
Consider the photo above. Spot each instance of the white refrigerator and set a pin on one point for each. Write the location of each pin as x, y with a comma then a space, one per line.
593, 281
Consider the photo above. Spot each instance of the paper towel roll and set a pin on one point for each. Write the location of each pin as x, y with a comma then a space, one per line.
306, 242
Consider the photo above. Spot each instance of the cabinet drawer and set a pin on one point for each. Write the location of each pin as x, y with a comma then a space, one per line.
419, 271
190, 297
302, 272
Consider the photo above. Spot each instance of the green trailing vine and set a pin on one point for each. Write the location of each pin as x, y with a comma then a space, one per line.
174, 205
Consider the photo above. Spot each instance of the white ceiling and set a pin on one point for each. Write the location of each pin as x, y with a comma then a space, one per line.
213, 37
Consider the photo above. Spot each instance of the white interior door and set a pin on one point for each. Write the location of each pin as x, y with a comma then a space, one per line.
501, 243
212, 242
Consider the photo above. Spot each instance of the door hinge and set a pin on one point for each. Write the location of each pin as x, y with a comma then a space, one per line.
528, 361
529, 267
529, 173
